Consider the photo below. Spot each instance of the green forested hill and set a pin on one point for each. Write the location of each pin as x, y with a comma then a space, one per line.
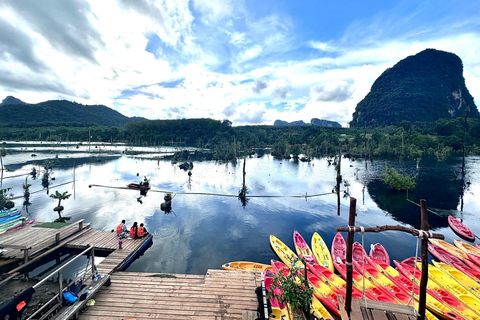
425, 87
60, 111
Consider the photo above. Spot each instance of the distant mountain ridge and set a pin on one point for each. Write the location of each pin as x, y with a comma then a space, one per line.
425, 87
313, 122
14, 110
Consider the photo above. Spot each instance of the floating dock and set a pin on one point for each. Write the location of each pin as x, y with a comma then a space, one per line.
219, 294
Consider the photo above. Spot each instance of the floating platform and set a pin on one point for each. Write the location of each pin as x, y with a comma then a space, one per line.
219, 294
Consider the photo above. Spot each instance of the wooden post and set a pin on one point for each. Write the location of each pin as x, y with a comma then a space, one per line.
94, 269
424, 280
351, 223
60, 286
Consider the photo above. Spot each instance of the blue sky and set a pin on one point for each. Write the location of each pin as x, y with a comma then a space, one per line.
251, 62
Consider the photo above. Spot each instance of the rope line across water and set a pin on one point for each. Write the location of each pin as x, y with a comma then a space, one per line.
217, 194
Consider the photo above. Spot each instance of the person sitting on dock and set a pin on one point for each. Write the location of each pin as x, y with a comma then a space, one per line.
142, 231
122, 230
134, 231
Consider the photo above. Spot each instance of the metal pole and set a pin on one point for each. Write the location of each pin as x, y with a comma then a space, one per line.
60, 285
351, 223
424, 280
66, 264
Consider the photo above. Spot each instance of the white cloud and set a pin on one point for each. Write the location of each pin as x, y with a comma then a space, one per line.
234, 63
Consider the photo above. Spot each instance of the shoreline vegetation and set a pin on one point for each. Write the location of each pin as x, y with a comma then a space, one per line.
219, 140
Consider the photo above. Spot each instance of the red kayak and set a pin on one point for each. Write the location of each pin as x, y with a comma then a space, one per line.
434, 300
437, 291
461, 229
443, 255
302, 248
138, 186
358, 253
477, 245
411, 261
379, 252
339, 248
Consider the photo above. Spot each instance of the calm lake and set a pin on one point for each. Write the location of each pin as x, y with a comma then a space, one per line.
205, 231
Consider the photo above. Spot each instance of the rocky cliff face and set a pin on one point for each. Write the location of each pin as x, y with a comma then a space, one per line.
313, 122
424, 87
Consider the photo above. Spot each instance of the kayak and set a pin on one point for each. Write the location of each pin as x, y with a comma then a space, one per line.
321, 252
246, 266
279, 310
372, 292
8, 225
317, 307
20, 225
9, 218
5, 217
441, 293
454, 287
358, 253
302, 248
459, 228
138, 186
450, 248
339, 248
324, 292
285, 253
434, 301
379, 252
4, 213
319, 310
466, 247
410, 261
444, 255
402, 295
465, 280
329, 276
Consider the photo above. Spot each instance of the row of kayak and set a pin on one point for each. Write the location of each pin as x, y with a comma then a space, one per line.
453, 290
11, 219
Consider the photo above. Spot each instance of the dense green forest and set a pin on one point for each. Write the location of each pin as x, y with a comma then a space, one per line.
440, 138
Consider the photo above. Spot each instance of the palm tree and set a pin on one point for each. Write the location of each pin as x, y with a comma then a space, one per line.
60, 197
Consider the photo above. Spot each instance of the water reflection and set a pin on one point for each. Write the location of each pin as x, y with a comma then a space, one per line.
202, 231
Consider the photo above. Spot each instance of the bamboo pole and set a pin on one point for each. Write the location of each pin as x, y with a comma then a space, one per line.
351, 223
424, 280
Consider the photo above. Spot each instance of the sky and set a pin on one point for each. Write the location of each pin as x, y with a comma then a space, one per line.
251, 62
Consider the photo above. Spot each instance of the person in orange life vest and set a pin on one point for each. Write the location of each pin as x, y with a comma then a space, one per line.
134, 231
142, 231
122, 230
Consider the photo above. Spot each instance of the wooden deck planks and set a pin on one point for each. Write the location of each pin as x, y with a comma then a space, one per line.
220, 294
36, 239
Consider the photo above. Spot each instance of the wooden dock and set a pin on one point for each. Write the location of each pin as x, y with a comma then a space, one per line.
30, 240
376, 310
220, 294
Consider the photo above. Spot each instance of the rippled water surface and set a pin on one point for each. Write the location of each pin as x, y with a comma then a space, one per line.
204, 231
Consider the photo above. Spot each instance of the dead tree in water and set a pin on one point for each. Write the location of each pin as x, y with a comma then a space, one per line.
339, 178
242, 195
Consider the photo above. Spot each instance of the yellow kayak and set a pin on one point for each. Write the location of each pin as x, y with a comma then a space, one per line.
321, 252
466, 281
467, 248
456, 289
246, 266
284, 252
460, 254
319, 310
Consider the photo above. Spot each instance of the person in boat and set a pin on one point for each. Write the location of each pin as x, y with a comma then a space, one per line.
122, 230
142, 231
134, 231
